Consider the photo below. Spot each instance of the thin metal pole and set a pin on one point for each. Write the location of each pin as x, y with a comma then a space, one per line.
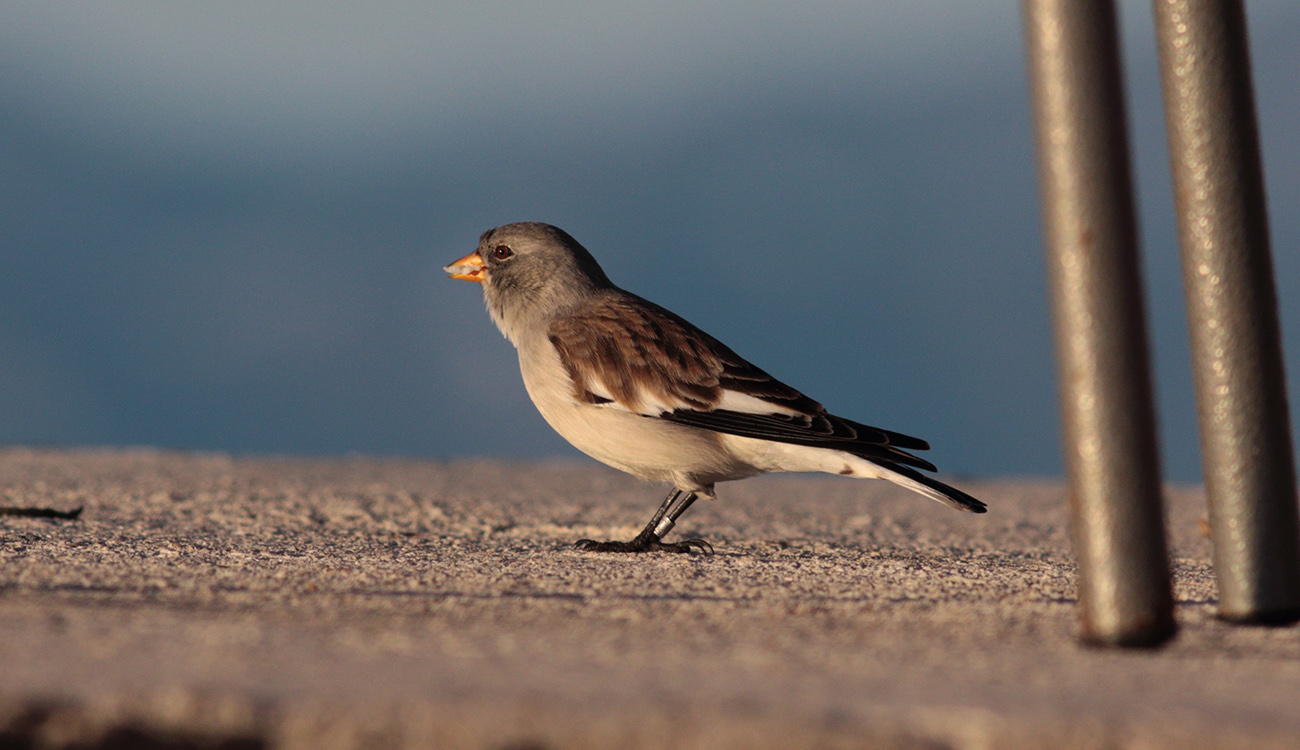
1106, 403
1231, 308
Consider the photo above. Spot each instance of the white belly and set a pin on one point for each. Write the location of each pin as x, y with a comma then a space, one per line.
642, 446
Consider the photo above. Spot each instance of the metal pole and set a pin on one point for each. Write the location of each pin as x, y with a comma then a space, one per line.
1106, 402
1231, 308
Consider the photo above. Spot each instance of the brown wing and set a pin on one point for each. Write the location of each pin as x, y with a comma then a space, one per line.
626, 351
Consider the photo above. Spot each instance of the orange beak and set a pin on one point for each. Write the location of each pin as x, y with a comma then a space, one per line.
469, 268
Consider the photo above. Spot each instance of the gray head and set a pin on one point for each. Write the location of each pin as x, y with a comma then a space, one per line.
530, 273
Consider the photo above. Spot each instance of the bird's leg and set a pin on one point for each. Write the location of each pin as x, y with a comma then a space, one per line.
649, 540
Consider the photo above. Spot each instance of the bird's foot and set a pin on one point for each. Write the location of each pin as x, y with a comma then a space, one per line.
645, 544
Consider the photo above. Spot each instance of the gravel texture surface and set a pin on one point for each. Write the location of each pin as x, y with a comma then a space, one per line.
207, 601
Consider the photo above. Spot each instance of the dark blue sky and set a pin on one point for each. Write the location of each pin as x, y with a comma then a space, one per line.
225, 232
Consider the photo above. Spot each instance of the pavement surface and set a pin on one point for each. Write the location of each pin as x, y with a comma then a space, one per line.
204, 601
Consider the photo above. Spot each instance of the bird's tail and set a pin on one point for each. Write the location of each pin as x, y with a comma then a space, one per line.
931, 488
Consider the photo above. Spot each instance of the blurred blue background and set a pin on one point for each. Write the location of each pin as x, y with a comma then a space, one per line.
223, 224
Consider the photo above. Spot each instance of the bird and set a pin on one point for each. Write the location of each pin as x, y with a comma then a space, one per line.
643, 390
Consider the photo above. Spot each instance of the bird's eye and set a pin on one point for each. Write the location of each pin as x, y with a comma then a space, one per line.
502, 252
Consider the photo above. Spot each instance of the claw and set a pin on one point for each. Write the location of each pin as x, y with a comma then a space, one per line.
649, 539
703, 546
645, 545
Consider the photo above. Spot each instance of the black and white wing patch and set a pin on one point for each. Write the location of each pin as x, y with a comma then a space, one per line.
626, 353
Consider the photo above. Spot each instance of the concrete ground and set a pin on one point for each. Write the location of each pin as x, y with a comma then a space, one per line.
203, 601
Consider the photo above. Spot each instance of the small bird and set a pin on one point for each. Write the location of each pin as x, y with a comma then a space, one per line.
642, 390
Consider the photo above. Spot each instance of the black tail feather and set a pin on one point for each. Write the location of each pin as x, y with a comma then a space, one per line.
935, 489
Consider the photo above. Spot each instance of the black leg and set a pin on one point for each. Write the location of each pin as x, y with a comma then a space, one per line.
649, 540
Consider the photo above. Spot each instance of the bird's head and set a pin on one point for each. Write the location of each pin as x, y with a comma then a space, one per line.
530, 272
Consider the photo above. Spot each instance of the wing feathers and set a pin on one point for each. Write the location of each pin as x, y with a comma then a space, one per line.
826, 431
643, 356
624, 352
